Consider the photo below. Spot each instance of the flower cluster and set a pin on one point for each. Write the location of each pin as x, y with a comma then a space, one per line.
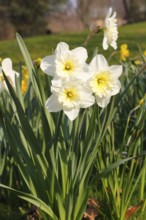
124, 52
24, 82
76, 84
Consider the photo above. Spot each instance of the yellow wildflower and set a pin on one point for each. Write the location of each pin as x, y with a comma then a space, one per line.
24, 72
24, 83
37, 61
138, 62
124, 52
144, 52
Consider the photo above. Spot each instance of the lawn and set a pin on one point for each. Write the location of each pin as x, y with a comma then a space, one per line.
40, 46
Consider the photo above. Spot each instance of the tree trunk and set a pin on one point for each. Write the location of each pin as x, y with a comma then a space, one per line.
126, 8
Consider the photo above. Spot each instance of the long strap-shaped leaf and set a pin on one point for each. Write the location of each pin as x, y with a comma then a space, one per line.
29, 65
108, 170
34, 200
27, 130
34, 78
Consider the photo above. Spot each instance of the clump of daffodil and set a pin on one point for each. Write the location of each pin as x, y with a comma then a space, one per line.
6, 67
25, 76
69, 71
75, 83
124, 52
110, 30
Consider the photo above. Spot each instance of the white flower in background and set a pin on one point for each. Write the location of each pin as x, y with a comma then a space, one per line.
110, 30
66, 63
9, 72
69, 97
104, 81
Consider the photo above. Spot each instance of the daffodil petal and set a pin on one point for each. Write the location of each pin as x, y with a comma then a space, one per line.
7, 65
84, 76
114, 45
114, 14
48, 65
109, 13
99, 63
11, 75
103, 101
87, 99
81, 53
52, 104
110, 30
62, 48
116, 88
105, 44
56, 84
2, 86
116, 70
72, 113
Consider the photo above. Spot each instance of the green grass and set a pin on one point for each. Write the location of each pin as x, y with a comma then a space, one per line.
41, 46
134, 35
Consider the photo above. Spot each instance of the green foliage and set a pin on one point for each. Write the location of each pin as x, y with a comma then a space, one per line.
62, 163
50, 149
29, 16
125, 138
46, 145
7, 214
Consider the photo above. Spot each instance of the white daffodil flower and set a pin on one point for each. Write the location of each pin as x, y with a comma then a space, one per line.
110, 30
66, 63
10, 73
104, 81
69, 97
